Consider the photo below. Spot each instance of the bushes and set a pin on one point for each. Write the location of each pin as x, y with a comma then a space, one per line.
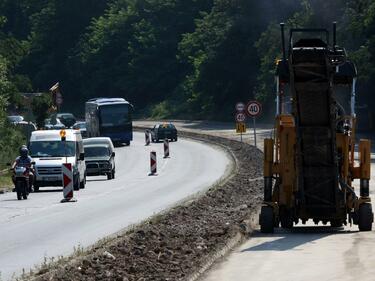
10, 138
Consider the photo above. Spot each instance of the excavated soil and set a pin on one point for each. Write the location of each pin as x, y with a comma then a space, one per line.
177, 244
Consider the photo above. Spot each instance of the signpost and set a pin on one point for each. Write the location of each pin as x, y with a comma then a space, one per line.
57, 98
240, 119
254, 109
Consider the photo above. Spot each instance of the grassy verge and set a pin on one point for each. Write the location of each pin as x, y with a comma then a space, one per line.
6, 183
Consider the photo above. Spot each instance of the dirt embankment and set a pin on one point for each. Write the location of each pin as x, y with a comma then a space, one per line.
180, 243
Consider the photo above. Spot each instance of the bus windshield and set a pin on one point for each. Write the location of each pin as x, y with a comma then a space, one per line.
41, 149
114, 115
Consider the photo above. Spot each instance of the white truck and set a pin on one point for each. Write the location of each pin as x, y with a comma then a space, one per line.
49, 152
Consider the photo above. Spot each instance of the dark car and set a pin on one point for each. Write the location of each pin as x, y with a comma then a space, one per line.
164, 131
67, 119
82, 127
100, 160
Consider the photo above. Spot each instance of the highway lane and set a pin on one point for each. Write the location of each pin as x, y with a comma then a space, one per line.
42, 227
307, 253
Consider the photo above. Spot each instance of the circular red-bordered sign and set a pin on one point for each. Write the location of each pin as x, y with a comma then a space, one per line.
240, 117
253, 109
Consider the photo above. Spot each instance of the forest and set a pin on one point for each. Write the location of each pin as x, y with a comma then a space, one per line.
189, 59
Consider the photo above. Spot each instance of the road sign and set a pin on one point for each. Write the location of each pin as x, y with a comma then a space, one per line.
240, 127
240, 107
240, 117
58, 98
253, 108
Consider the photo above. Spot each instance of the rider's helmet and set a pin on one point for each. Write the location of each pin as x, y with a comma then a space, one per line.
24, 152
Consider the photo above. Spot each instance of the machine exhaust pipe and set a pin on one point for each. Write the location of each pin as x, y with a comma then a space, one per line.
334, 35
282, 27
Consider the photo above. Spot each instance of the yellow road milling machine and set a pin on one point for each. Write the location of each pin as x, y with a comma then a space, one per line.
309, 164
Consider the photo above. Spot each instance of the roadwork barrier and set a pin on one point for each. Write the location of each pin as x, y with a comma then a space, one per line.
147, 137
67, 180
166, 148
153, 163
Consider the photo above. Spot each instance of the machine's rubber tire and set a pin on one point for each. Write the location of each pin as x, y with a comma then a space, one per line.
266, 219
113, 173
109, 176
36, 188
336, 223
286, 219
366, 217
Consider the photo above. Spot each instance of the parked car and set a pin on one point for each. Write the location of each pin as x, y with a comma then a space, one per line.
67, 119
100, 160
49, 153
26, 128
164, 131
58, 125
14, 119
82, 127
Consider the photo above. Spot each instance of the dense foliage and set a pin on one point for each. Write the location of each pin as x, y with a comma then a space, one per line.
170, 58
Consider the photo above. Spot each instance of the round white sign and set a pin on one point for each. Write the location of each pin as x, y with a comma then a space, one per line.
240, 106
240, 117
253, 108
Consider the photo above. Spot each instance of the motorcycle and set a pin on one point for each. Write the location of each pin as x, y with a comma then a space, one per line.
21, 175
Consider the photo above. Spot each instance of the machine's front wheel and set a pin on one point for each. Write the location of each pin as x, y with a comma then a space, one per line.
286, 219
266, 219
336, 223
366, 217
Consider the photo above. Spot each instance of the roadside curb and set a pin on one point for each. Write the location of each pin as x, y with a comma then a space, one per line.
245, 230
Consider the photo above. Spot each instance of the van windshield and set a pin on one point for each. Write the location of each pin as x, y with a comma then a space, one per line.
97, 151
52, 149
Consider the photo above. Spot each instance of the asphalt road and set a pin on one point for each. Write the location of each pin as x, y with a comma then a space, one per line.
307, 253
41, 227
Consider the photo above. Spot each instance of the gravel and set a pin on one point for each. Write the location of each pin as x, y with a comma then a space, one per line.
177, 244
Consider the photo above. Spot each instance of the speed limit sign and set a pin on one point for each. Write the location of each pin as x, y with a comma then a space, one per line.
253, 109
240, 117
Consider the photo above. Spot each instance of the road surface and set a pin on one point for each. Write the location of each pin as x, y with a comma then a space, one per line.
42, 227
307, 253
221, 129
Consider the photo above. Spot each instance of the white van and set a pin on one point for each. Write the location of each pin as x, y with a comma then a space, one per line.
49, 153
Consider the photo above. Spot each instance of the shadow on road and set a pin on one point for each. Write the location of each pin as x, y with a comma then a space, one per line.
94, 180
294, 238
48, 190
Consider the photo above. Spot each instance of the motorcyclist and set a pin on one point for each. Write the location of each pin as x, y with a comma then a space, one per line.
24, 160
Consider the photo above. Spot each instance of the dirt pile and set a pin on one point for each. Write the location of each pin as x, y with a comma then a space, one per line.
177, 244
